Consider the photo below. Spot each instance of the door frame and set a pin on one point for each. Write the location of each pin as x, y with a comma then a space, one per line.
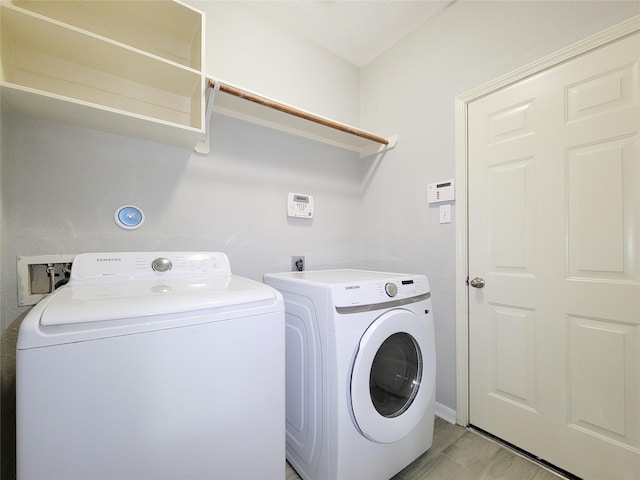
612, 34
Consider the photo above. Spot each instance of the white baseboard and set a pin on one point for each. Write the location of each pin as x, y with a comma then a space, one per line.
445, 413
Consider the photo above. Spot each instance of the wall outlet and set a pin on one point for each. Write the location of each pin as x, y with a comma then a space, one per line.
297, 264
36, 275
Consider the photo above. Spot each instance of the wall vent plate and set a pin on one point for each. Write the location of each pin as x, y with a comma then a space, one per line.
129, 217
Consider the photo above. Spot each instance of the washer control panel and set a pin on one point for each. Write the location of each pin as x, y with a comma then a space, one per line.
161, 264
130, 265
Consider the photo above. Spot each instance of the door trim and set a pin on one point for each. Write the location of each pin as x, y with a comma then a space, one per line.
617, 32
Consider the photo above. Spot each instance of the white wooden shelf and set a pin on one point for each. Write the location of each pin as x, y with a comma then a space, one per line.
135, 68
167, 29
108, 65
252, 107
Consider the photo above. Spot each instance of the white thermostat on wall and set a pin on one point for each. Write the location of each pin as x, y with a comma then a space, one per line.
440, 192
300, 205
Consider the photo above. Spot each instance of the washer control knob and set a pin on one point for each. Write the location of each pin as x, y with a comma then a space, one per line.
391, 289
161, 264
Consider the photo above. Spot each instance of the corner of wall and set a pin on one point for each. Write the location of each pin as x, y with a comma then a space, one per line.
445, 413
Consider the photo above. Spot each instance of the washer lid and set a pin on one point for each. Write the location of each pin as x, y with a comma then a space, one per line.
100, 301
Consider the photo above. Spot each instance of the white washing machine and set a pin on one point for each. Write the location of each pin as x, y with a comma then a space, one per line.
152, 366
360, 372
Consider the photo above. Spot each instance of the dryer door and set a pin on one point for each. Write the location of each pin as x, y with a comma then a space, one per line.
393, 375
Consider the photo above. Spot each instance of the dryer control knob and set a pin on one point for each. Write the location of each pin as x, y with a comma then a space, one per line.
161, 264
391, 289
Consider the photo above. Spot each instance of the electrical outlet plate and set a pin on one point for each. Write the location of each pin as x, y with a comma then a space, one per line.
29, 266
297, 263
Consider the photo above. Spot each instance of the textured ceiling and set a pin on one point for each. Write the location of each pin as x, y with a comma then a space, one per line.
355, 30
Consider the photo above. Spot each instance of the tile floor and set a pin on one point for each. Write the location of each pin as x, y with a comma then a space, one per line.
460, 454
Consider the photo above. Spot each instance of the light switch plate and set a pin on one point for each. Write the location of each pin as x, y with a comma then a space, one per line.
445, 213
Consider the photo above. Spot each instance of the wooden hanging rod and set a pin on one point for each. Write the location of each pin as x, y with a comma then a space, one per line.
295, 112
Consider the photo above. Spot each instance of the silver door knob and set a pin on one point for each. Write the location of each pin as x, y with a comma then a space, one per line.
477, 282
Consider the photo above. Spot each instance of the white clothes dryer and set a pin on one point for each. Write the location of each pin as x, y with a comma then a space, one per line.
360, 372
152, 366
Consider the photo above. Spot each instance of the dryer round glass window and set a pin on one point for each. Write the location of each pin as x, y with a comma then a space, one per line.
388, 399
395, 375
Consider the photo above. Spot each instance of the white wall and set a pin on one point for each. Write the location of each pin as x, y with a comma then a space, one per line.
411, 90
61, 184
251, 53
2, 348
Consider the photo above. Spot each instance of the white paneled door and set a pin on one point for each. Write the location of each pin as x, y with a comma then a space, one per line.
554, 235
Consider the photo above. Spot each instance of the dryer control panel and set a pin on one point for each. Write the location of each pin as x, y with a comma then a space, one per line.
380, 291
349, 288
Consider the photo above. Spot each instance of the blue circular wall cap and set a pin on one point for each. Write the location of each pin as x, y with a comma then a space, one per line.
129, 217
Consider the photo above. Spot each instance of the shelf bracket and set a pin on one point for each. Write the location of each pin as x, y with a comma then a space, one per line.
375, 149
204, 146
